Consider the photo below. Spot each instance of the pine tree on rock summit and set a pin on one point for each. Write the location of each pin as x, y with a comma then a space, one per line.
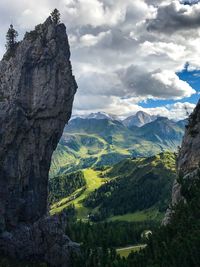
55, 16
11, 38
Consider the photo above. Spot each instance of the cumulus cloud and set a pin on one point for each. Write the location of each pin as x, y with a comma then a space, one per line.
189, 2
122, 50
173, 16
89, 40
171, 50
157, 84
127, 107
175, 111
107, 90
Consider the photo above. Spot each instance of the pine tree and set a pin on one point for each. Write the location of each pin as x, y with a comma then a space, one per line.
55, 16
11, 38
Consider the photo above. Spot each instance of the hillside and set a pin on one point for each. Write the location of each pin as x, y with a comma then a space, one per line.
64, 185
93, 182
134, 186
166, 132
98, 141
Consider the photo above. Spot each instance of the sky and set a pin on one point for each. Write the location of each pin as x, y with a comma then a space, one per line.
127, 55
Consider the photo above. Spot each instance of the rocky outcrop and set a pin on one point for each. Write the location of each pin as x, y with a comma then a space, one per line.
189, 155
188, 162
43, 240
36, 95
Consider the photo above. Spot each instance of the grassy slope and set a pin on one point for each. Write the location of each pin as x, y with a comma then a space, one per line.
89, 150
128, 166
124, 252
93, 182
62, 158
135, 181
95, 179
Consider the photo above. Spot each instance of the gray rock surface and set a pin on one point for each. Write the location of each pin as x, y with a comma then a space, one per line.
189, 156
36, 95
43, 240
139, 119
188, 162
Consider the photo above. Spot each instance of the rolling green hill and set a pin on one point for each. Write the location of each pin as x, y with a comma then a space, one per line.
90, 143
132, 190
136, 185
77, 198
64, 185
163, 131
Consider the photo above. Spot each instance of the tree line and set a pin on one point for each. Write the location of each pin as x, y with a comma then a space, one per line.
174, 245
64, 185
128, 194
109, 234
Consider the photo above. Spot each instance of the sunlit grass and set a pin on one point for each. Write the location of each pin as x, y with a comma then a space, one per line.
93, 181
124, 252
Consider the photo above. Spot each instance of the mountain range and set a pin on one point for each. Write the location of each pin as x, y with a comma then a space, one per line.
139, 119
101, 139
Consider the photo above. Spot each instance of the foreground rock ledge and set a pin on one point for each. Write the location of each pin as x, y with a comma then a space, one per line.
43, 240
36, 95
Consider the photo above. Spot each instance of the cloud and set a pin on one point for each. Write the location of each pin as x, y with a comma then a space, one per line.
118, 62
171, 50
173, 16
126, 107
189, 2
89, 40
157, 84
95, 102
131, 82
175, 111
92, 12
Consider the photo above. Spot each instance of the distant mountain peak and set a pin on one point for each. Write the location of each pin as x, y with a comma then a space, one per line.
101, 116
140, 112
139, 119
98, 116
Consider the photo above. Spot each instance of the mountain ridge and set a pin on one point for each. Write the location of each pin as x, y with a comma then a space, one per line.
139, 119
90, 142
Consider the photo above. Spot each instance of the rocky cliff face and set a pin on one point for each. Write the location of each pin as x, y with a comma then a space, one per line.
36, 96
189, 158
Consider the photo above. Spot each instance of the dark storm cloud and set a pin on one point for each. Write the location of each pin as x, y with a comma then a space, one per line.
175, 17
189, 2
118, 40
